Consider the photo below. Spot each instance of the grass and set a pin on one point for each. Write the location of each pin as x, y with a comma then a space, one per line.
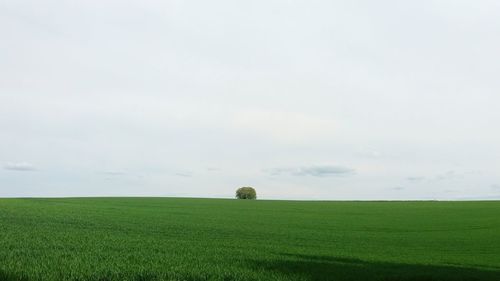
105, 239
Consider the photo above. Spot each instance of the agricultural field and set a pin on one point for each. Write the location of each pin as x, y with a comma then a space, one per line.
103, 239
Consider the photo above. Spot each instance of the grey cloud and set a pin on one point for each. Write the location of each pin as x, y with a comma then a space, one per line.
114, 173
184, 174
315, 171
398, 188
486, 197
415, 179
211, 169
495, 186
450, 175
22, 167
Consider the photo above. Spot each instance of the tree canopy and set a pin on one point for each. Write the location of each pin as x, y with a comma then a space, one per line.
246, 193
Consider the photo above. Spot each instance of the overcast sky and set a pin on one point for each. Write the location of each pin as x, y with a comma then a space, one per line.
300, 99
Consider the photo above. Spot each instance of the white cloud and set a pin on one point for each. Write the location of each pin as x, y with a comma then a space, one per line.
315, 171
287, 127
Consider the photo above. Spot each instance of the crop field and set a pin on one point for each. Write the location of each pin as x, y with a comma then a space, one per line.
145, 239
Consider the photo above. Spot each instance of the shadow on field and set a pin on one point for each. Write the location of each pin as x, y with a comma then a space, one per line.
313, 268
344, 269
5, 276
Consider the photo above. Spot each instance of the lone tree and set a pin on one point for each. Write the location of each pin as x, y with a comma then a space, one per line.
246, 193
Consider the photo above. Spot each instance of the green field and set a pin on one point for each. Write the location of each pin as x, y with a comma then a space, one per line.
215, 239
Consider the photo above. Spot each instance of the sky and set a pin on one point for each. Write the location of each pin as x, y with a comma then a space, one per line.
308, 100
